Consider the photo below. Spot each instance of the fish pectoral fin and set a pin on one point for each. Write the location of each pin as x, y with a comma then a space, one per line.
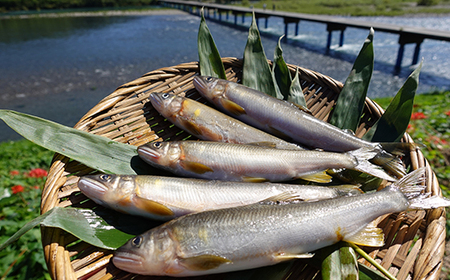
195, 167
285, 196
303, 108
288, 256
192, 127
253, 179
321, 177
204, 262
151, 206
371, 235
263, 144
232, 107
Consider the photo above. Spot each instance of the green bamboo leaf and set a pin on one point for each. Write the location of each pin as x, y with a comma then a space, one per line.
256, 70
394, 122
102, 228
367, 273
340, 262
296, 95
95, 151
349, 106
281, 72
209, 58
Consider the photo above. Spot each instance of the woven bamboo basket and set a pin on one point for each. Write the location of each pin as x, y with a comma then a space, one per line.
415, 241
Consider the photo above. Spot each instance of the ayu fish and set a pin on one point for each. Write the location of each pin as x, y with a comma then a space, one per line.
253, 163
286, 120
207, 123
260, 235
164, 198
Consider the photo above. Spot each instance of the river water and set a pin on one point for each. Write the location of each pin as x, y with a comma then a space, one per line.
59, 68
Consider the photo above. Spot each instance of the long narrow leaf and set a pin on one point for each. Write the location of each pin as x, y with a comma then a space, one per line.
256, 70
296, 95
281, 72
394, 122
340, 262
95, 151
209, 58
349, 106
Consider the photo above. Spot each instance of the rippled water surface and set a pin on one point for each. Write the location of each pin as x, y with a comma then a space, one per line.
59, 68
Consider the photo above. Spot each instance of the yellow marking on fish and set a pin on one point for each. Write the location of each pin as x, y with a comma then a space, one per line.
339, 235
203, 234
197, 112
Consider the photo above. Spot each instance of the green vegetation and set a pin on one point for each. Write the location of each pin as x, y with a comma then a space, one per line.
25, 5
355, 7
23, 168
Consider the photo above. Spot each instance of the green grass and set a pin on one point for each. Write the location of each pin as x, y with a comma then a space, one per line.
353, 7
21, 164
24, 259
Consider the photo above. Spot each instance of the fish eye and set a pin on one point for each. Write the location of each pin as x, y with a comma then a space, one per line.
156, 145
209, 79
105, 177
165, 95
137, 241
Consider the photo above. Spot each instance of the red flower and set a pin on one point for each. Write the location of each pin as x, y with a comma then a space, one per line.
447, 113
37, 173
17, 189
418, 116
14, 172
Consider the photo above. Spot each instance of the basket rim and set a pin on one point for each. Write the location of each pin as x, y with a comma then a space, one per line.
57, 256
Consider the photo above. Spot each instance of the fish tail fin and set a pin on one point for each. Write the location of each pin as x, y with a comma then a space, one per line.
412, 186
390, 162
363, 155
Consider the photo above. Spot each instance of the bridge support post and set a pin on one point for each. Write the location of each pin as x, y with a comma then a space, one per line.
408, 38
288, 20
332, 27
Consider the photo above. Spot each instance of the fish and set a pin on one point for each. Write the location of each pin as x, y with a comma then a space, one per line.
253, 163
285, 120
261, 234
164, 198
207, 123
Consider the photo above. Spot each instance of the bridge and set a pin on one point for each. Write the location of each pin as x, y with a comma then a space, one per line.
407, 34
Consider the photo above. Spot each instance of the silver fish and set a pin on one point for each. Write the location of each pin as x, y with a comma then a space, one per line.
164, 198
259, 235
284, 119
207, 123
239, 162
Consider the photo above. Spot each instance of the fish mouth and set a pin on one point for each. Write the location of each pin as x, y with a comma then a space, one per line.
156, 99
127, 261
92, 188
200, 84
147, 153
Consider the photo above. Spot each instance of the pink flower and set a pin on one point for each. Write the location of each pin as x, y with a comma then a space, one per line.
14, 172
418, 116
17, 189
37, 173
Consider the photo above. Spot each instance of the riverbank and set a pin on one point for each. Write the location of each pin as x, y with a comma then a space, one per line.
96, 13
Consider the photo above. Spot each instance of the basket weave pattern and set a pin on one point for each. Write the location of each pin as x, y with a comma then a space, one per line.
415, 241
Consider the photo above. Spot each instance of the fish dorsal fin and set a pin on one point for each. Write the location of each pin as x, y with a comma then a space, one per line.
282, 256
232, 107
195, 167
203, 262
192, 127
151, 206
321, 177
349, 131
371, 236
284, 196
263, 144
303, 108
253, 179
